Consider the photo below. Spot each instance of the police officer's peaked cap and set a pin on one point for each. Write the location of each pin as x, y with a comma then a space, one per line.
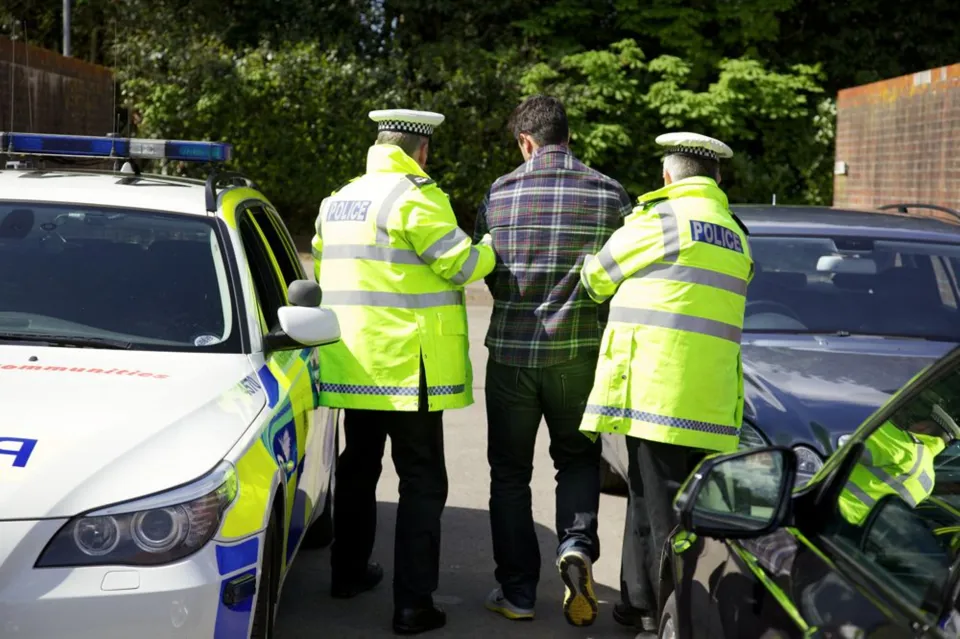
694, 144
407, 121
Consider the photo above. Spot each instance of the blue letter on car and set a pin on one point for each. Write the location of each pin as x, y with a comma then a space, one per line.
21, 454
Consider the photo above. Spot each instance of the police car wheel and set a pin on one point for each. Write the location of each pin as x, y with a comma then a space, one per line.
266, 607
668, 618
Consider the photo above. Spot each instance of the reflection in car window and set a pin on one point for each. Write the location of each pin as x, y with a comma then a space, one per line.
157, 280
897, 513
859, 285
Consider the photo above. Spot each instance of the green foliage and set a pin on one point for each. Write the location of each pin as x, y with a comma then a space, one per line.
618, 103
289, 82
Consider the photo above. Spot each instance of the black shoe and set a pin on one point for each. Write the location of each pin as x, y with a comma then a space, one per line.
635, 618
413, 621
372, 576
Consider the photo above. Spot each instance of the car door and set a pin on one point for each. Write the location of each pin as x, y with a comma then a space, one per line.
873, 546
894, 523
286, 375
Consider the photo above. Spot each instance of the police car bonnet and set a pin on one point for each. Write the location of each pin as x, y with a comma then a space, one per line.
407, 121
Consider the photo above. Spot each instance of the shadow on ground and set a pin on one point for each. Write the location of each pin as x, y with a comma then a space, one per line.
307, 611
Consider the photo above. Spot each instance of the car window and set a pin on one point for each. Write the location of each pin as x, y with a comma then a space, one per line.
898, 514
158, 280
857, 285
271, 295
280, 243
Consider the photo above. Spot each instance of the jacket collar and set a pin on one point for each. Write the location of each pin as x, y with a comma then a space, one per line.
690, 187
388, 158
551, 148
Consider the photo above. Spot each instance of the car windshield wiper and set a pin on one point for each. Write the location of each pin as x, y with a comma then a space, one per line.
931, 338
846, 333
66, 340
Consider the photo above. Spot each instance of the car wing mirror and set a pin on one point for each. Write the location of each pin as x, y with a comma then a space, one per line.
740, 495
303, 324
304, 293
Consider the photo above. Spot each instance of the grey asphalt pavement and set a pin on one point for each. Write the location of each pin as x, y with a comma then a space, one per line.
307, 611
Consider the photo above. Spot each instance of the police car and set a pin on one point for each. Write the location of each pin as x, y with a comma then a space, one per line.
162, 451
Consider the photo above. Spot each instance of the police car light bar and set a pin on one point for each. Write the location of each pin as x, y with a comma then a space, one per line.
84, 146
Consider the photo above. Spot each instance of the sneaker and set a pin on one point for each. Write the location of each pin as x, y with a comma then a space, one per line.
496, 602
634, 618
580, 603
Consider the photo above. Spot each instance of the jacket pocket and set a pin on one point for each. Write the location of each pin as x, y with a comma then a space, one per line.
452, 348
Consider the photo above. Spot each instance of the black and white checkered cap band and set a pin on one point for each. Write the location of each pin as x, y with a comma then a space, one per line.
694, 150
400, 126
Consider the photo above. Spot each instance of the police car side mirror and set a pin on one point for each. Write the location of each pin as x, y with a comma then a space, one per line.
740, 495
303, 327
304, 293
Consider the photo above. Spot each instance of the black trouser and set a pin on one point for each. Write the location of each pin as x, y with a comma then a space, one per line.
655, 471
416, 441
517, 398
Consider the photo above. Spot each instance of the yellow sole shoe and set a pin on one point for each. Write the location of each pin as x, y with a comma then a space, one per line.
580, 605
497, 603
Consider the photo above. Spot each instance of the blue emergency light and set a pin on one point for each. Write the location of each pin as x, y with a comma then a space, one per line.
85, 146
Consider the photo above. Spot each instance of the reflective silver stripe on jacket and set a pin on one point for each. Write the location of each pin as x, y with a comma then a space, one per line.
671, 243
693, 275
670, 230
895, 483
368, 252
451, 239
469, 266
605, 257
666, 319
857, 492
401, 187
392, 300
403, 391
662, 420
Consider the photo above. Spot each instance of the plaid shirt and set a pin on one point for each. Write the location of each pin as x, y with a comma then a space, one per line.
545, 218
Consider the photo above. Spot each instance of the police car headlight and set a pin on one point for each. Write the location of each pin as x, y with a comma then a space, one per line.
809, 464
154, 530
751, 437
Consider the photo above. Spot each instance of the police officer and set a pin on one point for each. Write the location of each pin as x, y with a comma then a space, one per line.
669, 375
392, 263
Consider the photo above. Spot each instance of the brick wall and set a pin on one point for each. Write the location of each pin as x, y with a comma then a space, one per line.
900, 140
50, 93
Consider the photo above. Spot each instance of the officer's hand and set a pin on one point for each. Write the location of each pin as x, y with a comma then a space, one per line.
487, 240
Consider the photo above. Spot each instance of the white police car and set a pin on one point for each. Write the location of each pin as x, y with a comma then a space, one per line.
162, 451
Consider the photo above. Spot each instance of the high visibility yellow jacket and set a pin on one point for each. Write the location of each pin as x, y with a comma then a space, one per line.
669, 368
893, 462
392, 263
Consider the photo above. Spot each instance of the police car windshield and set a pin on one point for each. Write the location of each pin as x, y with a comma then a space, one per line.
156, 280
860, 286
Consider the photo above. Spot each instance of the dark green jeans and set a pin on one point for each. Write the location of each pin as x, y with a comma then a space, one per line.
517, 399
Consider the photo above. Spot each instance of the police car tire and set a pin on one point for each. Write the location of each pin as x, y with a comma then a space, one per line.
669, 618
266, 605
